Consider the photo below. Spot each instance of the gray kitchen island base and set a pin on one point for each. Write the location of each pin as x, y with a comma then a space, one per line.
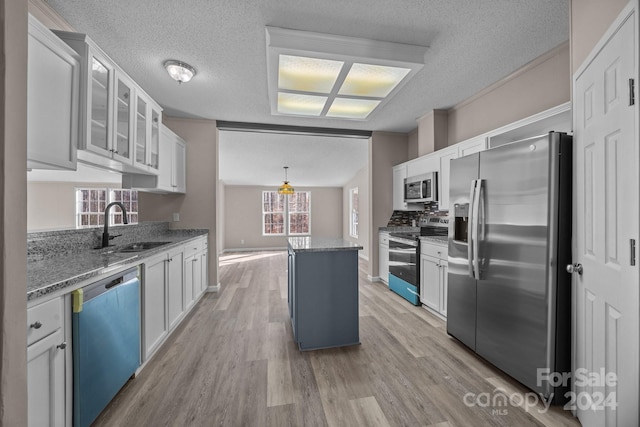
323, 292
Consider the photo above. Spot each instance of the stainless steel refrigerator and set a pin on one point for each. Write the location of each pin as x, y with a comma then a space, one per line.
509, 239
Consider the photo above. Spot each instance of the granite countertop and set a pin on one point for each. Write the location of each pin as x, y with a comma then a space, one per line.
396, 228
52, 273
321, 244
441, 240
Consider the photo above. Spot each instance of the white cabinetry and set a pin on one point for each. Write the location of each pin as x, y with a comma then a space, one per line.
147, 123
119, 122
171, 177
53, 87
399, 174
434, 269
204, 266
156, 323
171, 284
422, 165
383, 257
175, 285
46, 349
472, 146
444, 158
193, 265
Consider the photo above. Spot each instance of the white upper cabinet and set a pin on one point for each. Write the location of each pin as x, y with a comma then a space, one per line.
399, 174
178, 174
124, 118
147, 134
422, 165
117, 128
444, 159
472, 146
171, 158
53, 97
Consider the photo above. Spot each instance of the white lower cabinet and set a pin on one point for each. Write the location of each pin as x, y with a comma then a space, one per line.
204, 268
434, 269
46, 355
175, 265
155, 319
171, 284
383, 257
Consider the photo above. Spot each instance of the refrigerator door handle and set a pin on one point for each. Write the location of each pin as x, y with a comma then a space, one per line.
470, 229
478, 234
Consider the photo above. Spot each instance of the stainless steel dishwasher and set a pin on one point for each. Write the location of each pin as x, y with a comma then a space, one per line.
106, 342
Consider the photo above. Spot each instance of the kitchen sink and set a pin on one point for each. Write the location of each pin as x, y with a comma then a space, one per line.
141, 246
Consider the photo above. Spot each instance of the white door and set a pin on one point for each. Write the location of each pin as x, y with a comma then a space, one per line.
606, 187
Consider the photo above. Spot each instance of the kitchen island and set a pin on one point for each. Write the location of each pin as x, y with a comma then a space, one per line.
323, 292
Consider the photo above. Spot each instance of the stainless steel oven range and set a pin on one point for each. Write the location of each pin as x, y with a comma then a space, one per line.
404, 274
404, 257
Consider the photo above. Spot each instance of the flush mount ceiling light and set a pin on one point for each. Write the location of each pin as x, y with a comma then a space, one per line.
179, 71
324, 75
285, 188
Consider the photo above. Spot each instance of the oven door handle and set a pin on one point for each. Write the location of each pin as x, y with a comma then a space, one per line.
413, 292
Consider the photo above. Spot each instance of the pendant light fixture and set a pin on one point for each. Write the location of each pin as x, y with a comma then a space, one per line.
285, 188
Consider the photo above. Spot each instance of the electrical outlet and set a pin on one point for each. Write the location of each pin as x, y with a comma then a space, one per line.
176, 216
242, 241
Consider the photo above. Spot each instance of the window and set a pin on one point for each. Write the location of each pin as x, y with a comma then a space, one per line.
91, 202
299, 212
286, 215
353, 210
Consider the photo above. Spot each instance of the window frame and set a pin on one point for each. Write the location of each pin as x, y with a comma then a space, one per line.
308, 212
109, 197
286, 215
354, 222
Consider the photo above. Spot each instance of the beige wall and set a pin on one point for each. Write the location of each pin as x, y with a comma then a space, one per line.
432, 131
52, 205
197, 208
13, 208
589, 21
221, 223
361, 181
243, 216
386, 150
542, 84
412, 144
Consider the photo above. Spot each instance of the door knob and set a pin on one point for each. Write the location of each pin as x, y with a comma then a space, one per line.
574, 268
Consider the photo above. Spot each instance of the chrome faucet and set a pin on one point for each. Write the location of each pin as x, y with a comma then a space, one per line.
105, 233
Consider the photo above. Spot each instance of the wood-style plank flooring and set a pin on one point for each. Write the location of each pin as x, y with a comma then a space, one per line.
233, 362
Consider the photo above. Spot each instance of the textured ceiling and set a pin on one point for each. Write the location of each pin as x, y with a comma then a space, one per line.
472, 44
313, 161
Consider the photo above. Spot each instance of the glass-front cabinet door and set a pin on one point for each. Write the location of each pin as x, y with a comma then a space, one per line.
124, 96
98, 138
141, 132
154, 149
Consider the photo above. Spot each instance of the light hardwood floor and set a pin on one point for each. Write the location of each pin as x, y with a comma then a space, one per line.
233, 362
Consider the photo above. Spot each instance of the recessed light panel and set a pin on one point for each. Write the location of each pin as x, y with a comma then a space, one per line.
304, 105
304, 74
372, 80
350, 108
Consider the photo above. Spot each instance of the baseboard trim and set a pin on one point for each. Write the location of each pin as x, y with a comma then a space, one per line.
253, 249
213, 288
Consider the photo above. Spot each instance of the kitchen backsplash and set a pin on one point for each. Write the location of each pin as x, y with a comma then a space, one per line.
406, 218
43, 244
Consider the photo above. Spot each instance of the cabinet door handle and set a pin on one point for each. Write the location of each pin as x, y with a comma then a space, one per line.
62, 345
36, 325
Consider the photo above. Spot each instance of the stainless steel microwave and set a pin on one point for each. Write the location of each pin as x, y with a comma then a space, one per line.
421, 188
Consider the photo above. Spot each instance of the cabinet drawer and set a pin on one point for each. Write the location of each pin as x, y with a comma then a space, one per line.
192, 248
43, 320
384, 238
434, 250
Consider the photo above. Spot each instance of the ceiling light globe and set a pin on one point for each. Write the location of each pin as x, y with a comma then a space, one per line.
179, 71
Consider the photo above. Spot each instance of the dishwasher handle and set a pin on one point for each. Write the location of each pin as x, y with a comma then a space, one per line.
108, 283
